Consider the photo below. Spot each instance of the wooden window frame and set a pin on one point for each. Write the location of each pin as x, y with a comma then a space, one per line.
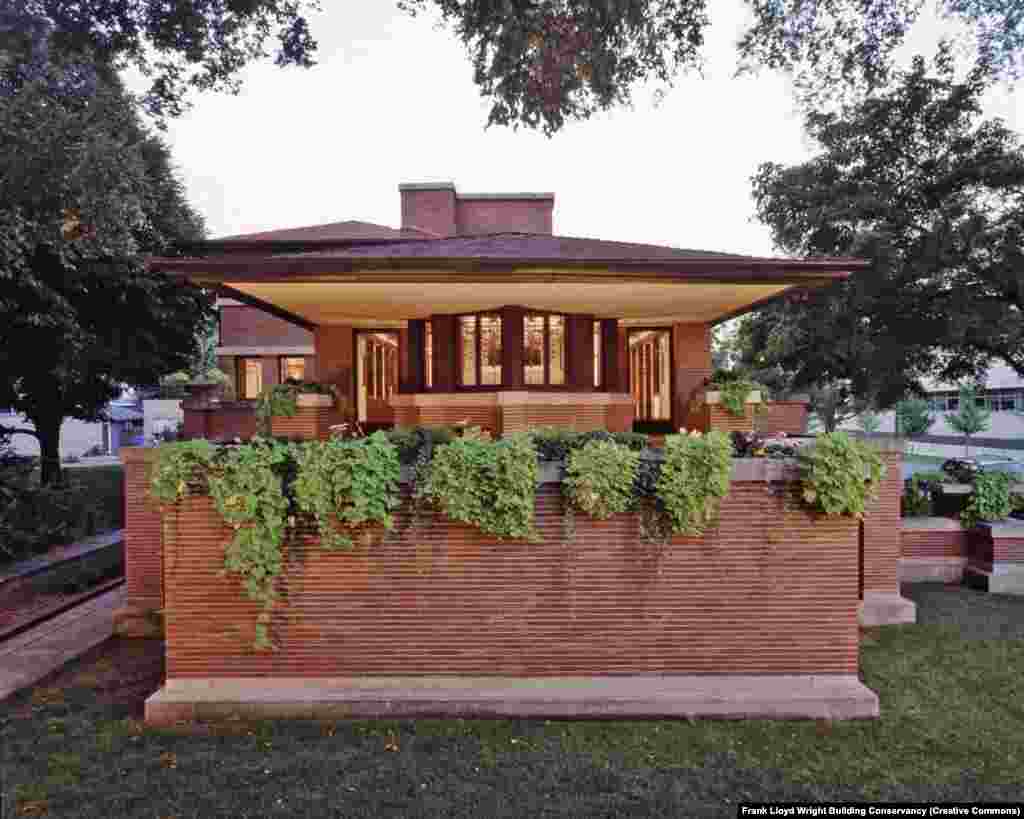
546, 354
478, 346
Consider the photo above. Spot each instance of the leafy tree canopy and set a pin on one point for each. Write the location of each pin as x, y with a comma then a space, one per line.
180, 45
915, 181
543, 63
85, 194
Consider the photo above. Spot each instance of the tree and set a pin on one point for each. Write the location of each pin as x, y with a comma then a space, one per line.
543, 63
970, 418
832, 404
913, 417
181, 45
916, 182
85, 194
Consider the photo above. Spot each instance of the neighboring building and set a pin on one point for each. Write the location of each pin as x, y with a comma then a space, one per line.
123, 426
473, 309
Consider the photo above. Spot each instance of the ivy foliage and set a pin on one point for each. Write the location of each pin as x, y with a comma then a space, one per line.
556, 444
990, 499
257, 488
489, 484
599, 478
839, 475
694, 478
347, 482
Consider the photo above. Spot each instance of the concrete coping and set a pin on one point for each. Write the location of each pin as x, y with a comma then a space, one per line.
967, 489
931, 524
1004, 528
63, 554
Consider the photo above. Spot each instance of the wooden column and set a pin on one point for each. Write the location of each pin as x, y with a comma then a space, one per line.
610, 380
579, 347
445, 358
413, 378
512, 346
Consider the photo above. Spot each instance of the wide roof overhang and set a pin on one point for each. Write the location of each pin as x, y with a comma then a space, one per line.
321, 289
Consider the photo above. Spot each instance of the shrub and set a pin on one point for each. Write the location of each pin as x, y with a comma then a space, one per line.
412, 441
489, 484
734, 387
917, 493
990, 499
637, 441
694, 478
600, 476
552, 443
840, 475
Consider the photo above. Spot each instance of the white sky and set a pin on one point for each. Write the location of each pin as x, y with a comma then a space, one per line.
392, 100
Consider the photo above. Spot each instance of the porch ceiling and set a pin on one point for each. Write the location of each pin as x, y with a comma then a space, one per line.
369, 303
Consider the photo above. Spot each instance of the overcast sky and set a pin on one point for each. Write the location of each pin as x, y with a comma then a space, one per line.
392, 100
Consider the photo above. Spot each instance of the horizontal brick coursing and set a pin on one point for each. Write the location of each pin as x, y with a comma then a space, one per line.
883, 530
984, 550
717, 417
142, 524
789, 417
442, 598
308, 423
941, 543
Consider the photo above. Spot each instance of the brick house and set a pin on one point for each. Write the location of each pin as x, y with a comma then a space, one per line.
473, 309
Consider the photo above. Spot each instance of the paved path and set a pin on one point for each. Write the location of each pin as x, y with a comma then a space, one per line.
34, 654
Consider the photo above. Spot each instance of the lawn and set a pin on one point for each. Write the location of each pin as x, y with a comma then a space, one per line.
951, 688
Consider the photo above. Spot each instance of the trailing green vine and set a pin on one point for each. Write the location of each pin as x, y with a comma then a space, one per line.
599, 478
694, 478
990, 499
347, 483
253, 485
490, 484
840, 476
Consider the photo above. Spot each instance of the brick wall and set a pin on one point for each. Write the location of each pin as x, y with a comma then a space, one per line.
308, 423
336, 361
245, 326
942, 543
771, 590
503, 215
883, 528
717, 417
782, 416
691, 357
143, 568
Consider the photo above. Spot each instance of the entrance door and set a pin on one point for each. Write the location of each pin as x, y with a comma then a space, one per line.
650, 374
376, 375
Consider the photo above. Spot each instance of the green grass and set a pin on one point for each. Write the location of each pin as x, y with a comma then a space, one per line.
952, 698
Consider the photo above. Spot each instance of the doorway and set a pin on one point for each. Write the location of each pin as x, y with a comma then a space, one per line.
650, 374
376, 375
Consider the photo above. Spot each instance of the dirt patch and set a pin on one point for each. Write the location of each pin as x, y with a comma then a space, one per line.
120, 672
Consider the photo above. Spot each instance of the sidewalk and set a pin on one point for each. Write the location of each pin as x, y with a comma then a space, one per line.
31, 656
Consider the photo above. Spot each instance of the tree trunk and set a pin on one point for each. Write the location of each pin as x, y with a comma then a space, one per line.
48, 431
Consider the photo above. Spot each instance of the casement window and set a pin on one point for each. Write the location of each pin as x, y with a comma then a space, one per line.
428, 353
597, 353
250, 377
543, 349
479, 350
293, 368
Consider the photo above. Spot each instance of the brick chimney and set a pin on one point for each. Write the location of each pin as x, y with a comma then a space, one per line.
429, 206
436, 207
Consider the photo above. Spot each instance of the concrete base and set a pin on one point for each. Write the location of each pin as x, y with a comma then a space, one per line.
635, 697
931, 569
132, 621
1004, 578
885, 609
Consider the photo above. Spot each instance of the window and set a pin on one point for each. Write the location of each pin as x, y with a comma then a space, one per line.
428, 352
250, 374
479, 351
597, 353
293, 368
543, 349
